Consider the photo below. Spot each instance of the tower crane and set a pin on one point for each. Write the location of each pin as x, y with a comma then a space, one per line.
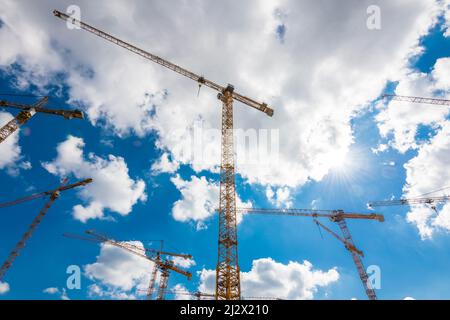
153, 255
441, 102
432, 201
337, 216
53, 194
27, 111
227, 269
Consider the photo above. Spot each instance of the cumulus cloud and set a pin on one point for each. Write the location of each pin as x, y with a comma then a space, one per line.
399, 121
183, 263
54, 291
165, 164
287, 56
426, 172
181, 293
281, 197
51, 290
447, 20
199, 200
4, 288
268, 278
121, 275
112, 188
118, 274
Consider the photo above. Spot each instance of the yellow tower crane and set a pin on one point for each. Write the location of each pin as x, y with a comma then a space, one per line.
228, 286
337, 216
53, 194
27, 111
163, 265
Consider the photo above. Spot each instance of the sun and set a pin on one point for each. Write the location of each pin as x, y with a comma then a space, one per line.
340, 161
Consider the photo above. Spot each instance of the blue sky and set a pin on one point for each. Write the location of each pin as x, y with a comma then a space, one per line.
411, 265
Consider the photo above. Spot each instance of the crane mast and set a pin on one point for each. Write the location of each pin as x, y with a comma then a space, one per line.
357, 260
151, 286
227, 269
28, 111
436, 101
337, 216
27, 235
163, 284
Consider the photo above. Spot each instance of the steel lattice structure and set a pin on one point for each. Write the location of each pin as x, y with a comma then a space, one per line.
436, 101
405, 201
227, 271
337, 216
28, 111
164, 266
54, 194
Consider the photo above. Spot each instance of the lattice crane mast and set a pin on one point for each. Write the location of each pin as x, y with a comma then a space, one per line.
440, 102
27, 111
337, 216
164, 266
54, 194
227, 271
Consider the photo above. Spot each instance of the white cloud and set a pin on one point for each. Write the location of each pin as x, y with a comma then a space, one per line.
54, 290
51, 290
441, 75
112, 188
306, 77
199, 200
380, 148
164, 164
427, 172
268, 278
183, 263
103, 292
408, 298
399, 121
117, 273
281, 197
4, 288
64, 295
181, 293
447, 20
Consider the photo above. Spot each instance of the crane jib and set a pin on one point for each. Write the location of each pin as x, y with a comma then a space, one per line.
200, 79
